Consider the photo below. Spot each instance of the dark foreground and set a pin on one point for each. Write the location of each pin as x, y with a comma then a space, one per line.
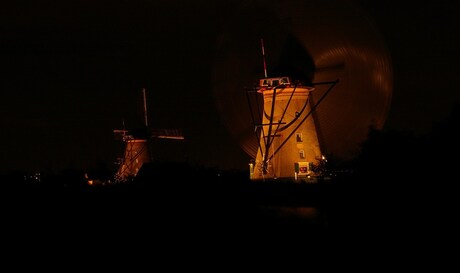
214, 212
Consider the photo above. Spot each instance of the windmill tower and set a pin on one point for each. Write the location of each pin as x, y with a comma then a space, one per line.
135, 155
137, 150
288, 140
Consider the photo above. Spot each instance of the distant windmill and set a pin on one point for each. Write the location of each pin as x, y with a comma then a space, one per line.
137, 146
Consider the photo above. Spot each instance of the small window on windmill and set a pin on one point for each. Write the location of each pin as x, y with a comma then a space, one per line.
299, 137
267, 82
302, 154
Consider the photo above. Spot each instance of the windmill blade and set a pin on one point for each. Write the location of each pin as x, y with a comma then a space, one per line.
167, 134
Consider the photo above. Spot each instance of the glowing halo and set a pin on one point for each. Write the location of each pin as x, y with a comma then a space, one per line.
338, 41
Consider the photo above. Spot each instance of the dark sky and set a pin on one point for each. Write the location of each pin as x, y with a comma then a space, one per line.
72, 71
423, 43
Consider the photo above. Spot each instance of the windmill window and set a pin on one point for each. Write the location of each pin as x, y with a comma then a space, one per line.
299, 137
302, 154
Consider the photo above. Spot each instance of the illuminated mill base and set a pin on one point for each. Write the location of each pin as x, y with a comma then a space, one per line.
135, 156
288, 142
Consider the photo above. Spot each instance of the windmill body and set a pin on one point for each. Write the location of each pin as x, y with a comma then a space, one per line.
136, 154
288, 142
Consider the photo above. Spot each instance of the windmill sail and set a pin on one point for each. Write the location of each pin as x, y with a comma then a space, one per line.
167, 133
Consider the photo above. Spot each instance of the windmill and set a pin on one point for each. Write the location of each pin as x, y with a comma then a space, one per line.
137, 150
312, 45
288, 141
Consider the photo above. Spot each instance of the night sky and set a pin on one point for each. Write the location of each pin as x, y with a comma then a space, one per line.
72, 72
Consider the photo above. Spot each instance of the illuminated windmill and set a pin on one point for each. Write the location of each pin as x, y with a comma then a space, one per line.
326, 40
288, 141
137, 150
